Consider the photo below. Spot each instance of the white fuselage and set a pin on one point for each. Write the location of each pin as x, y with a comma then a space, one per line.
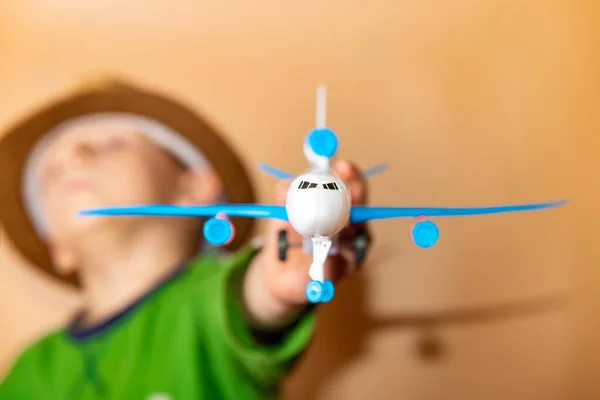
318, 205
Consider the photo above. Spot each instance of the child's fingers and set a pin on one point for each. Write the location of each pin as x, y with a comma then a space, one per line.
354, 180
276, 226
288, 278
356, 184
281, 190
285, 278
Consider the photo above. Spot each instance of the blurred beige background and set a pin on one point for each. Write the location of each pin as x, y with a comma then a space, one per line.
471, 103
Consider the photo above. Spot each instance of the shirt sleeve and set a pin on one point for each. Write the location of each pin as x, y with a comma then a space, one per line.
17, 383
266, 363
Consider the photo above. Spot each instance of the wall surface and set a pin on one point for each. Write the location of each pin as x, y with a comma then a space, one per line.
471, 103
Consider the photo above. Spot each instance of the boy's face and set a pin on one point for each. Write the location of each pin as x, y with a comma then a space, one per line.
93, 166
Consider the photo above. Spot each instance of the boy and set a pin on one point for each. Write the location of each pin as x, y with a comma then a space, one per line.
159, 321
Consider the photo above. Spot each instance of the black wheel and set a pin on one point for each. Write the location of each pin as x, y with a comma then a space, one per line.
360, 244
282, 244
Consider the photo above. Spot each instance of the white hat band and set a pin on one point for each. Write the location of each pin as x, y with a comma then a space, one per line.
157, 132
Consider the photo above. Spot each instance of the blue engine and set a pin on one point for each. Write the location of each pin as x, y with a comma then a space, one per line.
322, 142
218, 231
425, 234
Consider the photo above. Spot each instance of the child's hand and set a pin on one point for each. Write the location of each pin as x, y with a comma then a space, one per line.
287, 280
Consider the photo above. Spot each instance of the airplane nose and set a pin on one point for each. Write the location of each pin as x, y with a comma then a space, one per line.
322, 142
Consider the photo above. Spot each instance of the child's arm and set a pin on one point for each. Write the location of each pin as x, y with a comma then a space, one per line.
258, 321
273, 291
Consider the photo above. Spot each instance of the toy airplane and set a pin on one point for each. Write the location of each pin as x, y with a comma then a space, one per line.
317, 207
321, 140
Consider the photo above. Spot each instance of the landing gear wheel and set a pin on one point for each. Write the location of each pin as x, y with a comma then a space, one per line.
314, 291
282, 244
360, 243
328, 291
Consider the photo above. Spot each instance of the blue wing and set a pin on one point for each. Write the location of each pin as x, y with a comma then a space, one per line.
276, 173
230, 210
365, 213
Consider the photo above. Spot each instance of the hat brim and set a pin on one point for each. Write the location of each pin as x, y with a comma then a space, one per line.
16, 144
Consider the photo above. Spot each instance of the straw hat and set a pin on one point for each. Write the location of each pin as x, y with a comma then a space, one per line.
109, 96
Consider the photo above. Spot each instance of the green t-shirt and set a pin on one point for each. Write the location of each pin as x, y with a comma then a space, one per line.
185, 340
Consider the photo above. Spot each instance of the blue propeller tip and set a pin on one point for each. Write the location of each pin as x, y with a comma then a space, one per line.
322, 142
